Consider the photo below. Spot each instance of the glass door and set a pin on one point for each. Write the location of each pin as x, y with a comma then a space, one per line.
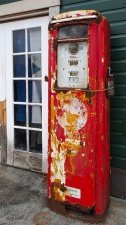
27, 93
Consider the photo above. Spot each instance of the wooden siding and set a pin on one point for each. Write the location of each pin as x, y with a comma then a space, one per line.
115, 12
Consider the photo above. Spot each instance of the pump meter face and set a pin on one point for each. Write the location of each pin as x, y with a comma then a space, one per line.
72, 65
74, 31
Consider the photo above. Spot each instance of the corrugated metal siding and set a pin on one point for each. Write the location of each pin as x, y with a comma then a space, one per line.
115, 12
2, 2
67, 5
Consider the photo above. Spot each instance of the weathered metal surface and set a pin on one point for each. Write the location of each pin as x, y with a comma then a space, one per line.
79, 124
79, 14
3, 132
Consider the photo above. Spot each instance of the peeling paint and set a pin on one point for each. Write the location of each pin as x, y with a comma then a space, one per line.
77, 136
102, 60
3, 132
74, 115
3, 113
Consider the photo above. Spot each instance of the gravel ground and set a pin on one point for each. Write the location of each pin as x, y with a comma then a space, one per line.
23, 201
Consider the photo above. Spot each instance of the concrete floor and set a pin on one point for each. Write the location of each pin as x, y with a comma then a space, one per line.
23, 196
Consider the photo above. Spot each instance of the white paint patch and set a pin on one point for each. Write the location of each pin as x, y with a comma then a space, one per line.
58, 161
102, 60
79, 112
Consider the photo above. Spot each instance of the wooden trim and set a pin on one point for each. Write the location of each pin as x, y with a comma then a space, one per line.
26, 15
26, 6
3, 132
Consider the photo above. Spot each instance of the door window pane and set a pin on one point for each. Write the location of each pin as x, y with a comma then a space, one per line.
20, 139
18, 41
20, 115
35, 91
35, 141
19, 66
27, 90
34, 39
20, 91
34, 65
35, 116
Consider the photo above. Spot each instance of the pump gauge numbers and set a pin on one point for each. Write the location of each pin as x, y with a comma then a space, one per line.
72, 64
73, 48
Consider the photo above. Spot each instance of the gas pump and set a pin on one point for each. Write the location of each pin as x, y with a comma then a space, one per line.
80, 85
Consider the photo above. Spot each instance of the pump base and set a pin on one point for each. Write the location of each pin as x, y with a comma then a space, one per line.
70, 211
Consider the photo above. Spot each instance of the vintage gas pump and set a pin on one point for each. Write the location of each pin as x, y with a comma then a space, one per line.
79, 88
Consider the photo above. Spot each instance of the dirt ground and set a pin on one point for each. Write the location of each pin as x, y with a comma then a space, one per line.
23, 201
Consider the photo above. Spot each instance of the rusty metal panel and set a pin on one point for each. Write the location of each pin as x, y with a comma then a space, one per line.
78, 154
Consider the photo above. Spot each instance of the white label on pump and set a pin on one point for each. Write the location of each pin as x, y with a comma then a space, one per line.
73, 192
72, 65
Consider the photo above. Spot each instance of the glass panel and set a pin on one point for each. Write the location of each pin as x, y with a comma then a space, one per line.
19, 66
35, 91
73, 31
19, 41
35, 116
34, 39
34, 65
72, 65
20, 115
20, 139
35, 141
20, 91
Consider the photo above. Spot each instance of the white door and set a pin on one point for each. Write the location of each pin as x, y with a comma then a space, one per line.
26, 44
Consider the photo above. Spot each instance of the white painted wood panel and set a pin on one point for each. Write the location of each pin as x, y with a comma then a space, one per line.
26, 5
27, 160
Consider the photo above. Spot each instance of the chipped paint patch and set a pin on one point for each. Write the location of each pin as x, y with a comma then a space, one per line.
102, 60
74, 14
58, 161
74, 115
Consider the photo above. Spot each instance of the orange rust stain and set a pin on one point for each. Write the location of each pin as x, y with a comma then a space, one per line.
64, 98
71, 169
52, 174
3, 113
71, 130
76, 14
53, 75
70, 147
53, 113
58, 194
72, 118
92, 175
54, 140
56, 191
93, 113
58, 181
83, 97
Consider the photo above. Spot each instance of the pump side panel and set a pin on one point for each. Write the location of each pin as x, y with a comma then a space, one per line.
103, 113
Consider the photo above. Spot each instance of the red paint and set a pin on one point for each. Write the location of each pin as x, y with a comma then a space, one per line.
86, 165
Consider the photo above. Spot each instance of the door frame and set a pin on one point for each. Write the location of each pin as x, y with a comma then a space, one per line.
8, 27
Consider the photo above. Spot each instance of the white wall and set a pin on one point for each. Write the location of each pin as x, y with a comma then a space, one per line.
26, 5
